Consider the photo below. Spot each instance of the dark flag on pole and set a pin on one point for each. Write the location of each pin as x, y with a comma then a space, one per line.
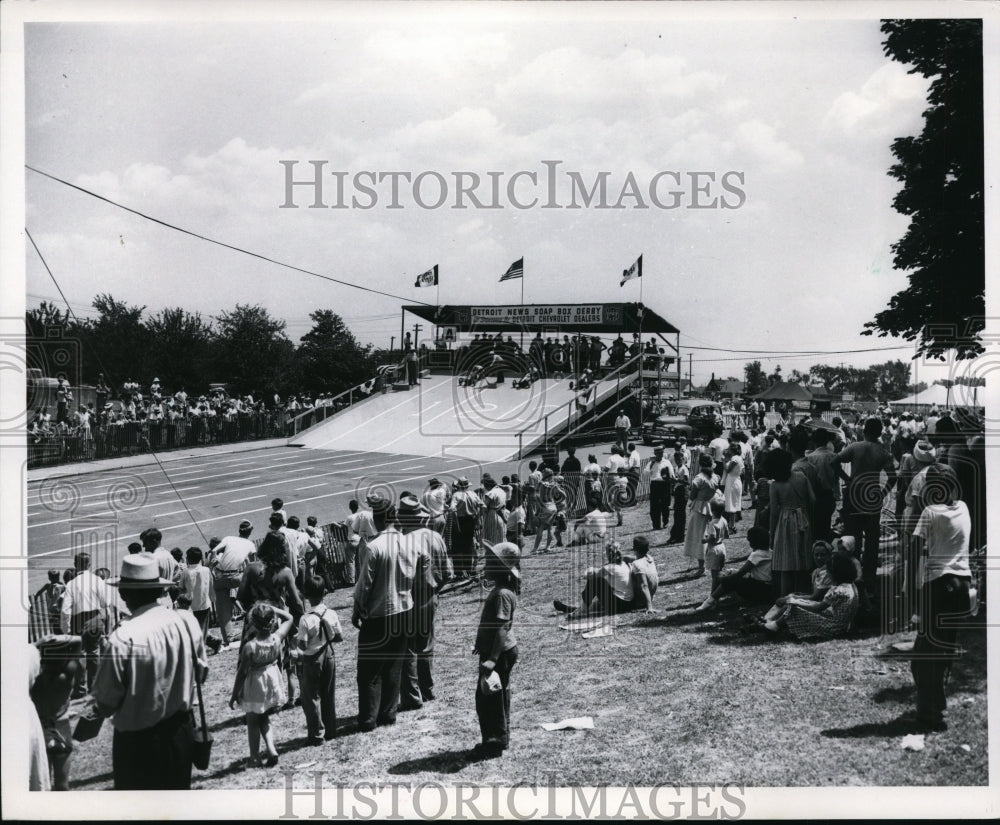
634, 271
514, 271
428, 278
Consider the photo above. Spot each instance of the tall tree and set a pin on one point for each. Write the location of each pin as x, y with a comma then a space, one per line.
116, 342
250, 351
180, 349
44, 316
329, 357
754, 378
941, 171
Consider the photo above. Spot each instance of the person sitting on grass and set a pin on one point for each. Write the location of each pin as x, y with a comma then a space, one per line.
716, 533
752, 581
645, 579
608, 590
829, 618
820, 580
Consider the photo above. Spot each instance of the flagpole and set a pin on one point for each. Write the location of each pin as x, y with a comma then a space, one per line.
642, 382
522, 305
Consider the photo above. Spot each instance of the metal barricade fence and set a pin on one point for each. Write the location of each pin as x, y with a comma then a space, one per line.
137, 437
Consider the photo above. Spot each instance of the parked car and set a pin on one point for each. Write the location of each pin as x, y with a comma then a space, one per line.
690, 417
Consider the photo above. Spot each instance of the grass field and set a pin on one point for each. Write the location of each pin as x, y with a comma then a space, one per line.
675, 697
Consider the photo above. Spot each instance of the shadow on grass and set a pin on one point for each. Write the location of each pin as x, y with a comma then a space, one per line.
91, 780
688, 576
232, 722
901, 726
444, 762
240, 765
902, 694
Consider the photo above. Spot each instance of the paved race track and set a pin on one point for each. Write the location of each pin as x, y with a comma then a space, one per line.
194, 498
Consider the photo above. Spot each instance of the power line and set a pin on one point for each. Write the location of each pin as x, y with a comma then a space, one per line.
222, 243
156, 458
796, 351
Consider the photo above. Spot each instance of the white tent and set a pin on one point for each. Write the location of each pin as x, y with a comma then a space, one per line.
934, 394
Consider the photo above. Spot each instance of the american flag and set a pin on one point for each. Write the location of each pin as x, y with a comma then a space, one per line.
514, 271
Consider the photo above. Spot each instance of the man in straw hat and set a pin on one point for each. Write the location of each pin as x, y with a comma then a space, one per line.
384, 601
146, 683
417, 684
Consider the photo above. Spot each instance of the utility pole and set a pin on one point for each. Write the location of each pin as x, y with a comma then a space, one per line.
416, 332
392, 344
690, 381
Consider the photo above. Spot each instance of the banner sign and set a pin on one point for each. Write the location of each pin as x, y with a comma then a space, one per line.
555, 315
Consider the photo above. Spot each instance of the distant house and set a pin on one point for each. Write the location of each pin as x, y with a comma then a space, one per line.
719, 388
731, 389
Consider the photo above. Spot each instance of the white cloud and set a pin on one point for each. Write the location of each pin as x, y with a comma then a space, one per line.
762, 140
568, 75
889, 98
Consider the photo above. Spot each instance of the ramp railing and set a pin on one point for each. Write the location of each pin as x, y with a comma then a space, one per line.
622, 376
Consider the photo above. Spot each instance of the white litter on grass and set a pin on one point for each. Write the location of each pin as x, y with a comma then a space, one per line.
966, 748
835, 687
576, 723
968, 700
912, 742
305, 765
588, 624
606, 630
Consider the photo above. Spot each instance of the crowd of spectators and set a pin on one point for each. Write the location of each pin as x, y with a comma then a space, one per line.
133, 421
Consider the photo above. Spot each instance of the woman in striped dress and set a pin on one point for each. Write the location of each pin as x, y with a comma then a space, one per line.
494, 528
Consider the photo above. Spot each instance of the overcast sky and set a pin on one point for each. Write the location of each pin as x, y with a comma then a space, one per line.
189, 123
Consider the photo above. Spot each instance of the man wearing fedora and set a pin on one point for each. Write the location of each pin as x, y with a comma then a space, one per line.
384, 600
435, 500
146, 683
417, 684
467, 506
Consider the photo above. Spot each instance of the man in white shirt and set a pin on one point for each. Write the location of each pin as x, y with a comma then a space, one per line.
417, 681
89, 609
622, 425
615, 460
718, 445
434, 501
231, 559
661, 474
361, 530
608, 589
941, 540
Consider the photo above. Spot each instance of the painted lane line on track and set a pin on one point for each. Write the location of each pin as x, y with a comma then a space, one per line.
248, 498
234, 490
35, 490
171, 480
200, 522
269, 467
321, 484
